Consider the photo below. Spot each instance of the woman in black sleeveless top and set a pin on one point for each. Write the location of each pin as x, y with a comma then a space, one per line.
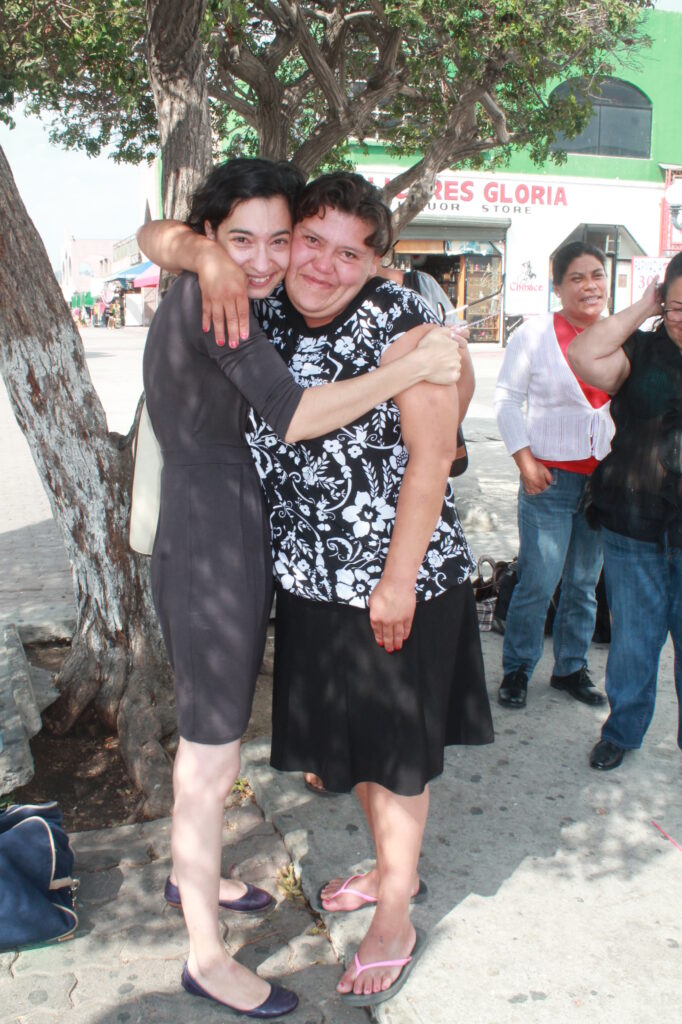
637, 501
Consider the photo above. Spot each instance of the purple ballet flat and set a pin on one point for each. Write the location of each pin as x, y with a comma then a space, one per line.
254, 900
280, 1001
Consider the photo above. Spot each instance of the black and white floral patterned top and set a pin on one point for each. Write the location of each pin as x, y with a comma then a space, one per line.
332, 500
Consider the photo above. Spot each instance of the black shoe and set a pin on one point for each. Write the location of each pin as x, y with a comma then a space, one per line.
580, 687
513, 689
606, 755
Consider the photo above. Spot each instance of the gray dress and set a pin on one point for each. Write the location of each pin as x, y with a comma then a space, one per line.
211, 563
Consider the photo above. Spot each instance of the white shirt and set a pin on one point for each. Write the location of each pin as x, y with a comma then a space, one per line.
559, 423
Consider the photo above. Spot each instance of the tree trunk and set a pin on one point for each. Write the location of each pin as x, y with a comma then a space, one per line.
178, 78
117, 658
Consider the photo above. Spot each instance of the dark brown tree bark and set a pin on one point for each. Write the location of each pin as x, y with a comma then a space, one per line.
177, 74
117, 660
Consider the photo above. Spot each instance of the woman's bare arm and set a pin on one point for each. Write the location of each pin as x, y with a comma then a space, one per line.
224, 301
437, 358
597, 355
428, 418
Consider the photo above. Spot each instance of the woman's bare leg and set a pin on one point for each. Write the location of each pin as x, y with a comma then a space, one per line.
398, 828
203, 776
368, 883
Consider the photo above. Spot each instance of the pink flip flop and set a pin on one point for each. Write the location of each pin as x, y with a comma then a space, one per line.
419, 897
406, 965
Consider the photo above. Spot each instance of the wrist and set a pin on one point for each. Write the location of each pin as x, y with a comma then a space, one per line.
205, 254
524, 459
419, 365
399, 580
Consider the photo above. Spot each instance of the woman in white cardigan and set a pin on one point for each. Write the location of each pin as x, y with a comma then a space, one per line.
557, 444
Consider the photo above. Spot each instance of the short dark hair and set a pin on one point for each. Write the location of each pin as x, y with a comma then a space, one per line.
564, 256
237, 180
672, 272
353, 194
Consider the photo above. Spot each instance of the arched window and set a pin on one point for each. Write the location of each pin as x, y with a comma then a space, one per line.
620, 124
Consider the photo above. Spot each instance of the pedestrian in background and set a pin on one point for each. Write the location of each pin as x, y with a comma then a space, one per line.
557, 445
637, 500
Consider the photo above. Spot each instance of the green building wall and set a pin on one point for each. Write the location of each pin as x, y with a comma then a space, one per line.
657, 72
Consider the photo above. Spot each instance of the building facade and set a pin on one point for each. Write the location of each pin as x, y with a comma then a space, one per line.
84, 263
489, 237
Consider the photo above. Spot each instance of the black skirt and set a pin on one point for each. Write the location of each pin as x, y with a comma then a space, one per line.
350, 712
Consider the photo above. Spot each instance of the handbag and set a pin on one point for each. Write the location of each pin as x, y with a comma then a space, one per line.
37, 889
487, 591
145, 496
461, 457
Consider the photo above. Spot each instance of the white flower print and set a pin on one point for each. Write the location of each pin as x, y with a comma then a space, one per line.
353, 585
368, 514
288, 572
359, 443
434, 559
344, 346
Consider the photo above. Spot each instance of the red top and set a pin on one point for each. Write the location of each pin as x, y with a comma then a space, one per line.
565, 333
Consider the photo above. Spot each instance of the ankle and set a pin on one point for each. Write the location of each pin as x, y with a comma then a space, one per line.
205, 961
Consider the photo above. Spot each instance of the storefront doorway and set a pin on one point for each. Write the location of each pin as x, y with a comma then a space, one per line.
471, 275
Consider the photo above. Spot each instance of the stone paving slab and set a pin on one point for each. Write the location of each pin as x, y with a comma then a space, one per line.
125, 961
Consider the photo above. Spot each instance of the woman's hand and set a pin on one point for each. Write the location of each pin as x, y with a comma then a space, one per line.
650, 301
224, 298
441, 355
535, 477
391, 611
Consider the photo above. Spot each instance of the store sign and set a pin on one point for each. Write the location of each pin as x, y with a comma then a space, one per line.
526, 280
646, 269
461, 195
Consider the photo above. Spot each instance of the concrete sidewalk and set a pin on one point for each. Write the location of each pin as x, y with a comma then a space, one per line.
552, 895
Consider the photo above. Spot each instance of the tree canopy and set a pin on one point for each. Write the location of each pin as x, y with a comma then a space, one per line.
440, 81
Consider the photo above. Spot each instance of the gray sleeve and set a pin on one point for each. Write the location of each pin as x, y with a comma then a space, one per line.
255, 368
262, 376
432, 292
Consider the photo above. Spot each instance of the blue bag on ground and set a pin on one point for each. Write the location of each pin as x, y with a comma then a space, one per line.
36, 887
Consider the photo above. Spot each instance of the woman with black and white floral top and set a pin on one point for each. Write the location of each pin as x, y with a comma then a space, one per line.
378, 662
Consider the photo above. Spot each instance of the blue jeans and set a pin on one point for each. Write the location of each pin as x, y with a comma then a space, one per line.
644, 590
555, 544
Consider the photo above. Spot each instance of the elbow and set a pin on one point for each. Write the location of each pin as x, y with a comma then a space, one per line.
296, 431
444, 454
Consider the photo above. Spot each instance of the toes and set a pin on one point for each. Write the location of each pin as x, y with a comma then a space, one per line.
346, 981
331, 888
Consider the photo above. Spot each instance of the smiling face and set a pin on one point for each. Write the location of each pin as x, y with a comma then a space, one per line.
330, 262
257, 236
583, 291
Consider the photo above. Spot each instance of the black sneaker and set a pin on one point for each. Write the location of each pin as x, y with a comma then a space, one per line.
514, 689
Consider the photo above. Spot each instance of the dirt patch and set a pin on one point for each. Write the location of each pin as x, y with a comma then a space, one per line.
83, 770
